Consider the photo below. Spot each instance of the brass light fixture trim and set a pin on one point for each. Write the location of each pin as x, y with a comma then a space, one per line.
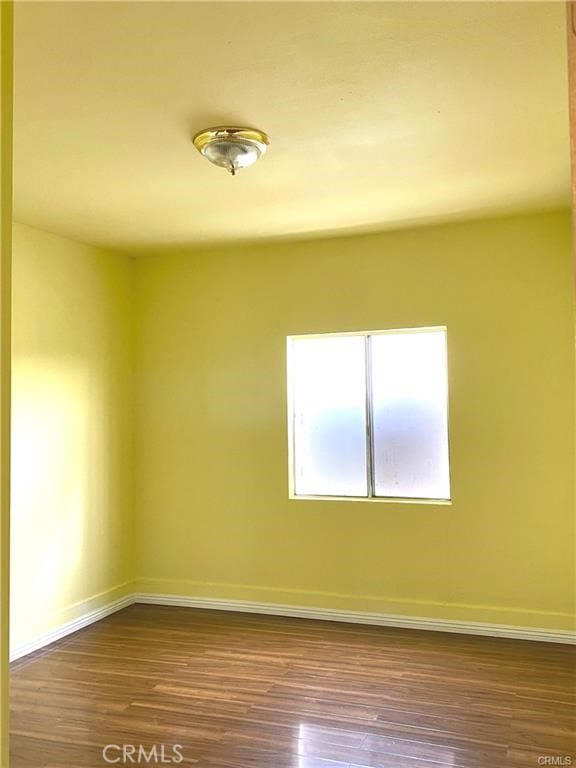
231, 147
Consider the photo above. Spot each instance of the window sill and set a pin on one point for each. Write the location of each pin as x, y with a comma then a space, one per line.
377, 499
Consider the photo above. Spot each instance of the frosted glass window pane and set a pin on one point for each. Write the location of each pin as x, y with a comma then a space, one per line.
410, 415
329, 416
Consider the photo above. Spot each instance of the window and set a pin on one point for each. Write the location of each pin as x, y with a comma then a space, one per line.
368, 415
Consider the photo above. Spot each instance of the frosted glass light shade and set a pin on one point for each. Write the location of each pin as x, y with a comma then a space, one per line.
229, 154
231, 147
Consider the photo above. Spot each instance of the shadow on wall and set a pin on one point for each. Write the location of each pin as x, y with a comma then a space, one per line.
58, 519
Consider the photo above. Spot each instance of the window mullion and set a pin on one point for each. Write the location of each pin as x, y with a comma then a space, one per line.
369, 418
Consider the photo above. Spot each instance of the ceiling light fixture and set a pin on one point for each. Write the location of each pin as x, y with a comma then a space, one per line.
231, 148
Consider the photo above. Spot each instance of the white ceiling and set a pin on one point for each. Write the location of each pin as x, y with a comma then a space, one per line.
380, 114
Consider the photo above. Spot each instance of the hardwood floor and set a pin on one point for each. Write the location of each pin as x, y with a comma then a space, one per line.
248, 691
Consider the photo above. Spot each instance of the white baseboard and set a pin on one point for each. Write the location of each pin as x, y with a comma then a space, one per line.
358, 617
82, 621
302, 612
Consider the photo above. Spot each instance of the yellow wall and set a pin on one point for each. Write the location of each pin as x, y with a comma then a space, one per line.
214, 517
72, 431
6, 10
212, 511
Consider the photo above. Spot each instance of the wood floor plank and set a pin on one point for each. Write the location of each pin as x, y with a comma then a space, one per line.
250, 691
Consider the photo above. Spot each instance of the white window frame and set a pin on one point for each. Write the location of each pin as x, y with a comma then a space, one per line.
369, 438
